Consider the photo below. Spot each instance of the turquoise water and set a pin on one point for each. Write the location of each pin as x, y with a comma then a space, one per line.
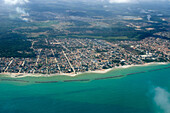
139, 93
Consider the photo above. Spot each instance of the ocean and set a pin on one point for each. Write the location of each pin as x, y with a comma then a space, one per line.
145, 90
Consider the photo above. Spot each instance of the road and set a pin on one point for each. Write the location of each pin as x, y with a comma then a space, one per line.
69, 62
56, 60
9, 65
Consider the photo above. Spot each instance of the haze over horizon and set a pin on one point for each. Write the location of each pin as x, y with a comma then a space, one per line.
21, 2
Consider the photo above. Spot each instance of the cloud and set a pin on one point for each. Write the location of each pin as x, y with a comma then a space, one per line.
162, 99
21, 11
18, 7
16, 2
22, 14
136, 1
119, 1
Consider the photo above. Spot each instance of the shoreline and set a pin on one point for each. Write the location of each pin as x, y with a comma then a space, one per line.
103, 71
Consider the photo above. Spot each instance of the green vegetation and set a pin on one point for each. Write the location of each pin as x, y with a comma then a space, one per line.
78, 20
45, 24
14, 45
95, 37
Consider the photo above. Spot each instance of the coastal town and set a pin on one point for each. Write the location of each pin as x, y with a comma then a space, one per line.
75, 55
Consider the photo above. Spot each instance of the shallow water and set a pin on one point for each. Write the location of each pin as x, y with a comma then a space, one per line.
137, 93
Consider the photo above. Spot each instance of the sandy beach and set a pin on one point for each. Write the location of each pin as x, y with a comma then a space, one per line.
20, 75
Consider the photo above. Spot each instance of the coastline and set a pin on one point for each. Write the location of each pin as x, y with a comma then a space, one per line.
21, 75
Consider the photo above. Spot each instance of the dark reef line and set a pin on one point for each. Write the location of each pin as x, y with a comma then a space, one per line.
109, 77
14, 80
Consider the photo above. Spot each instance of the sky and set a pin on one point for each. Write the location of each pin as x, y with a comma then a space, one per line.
15, 2
21, 2
123, 1
134, 1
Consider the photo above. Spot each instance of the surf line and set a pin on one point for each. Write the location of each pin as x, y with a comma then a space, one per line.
81, 80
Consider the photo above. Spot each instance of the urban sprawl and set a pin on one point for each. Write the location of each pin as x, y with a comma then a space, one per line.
73, 55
